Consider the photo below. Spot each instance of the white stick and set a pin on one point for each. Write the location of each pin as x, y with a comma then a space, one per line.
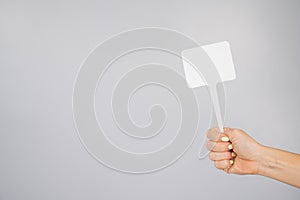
215, 100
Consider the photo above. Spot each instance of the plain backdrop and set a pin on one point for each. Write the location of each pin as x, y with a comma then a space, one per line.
43, 43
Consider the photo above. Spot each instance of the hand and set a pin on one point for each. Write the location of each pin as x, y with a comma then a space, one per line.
234, 151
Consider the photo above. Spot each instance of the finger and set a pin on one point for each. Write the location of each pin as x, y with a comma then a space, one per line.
215, 156
227, 129
223, 164
214, 135
218, 146
232, 132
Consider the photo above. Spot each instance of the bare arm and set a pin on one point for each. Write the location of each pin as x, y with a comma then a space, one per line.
234, 151
280, 165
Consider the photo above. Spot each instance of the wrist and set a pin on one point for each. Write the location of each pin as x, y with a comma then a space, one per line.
258, 160
266, 161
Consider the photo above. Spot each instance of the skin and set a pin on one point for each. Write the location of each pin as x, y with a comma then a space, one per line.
249, 157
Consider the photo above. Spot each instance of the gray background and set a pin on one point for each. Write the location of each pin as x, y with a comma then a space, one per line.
42, 45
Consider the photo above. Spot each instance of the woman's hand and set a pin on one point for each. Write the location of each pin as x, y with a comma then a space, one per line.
234, 151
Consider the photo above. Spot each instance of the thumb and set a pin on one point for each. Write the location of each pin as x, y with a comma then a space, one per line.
230, 132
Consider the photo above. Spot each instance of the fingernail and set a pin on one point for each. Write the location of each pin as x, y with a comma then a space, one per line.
233, 154
230, 146
225, 139
231, 162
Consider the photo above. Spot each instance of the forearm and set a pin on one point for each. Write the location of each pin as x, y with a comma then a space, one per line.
280, 165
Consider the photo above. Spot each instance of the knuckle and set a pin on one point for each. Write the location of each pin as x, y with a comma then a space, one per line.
212, 129
211, 156
235, 130
214, 146
227, 129
207, 133
218, 165
210, 133
208, 145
